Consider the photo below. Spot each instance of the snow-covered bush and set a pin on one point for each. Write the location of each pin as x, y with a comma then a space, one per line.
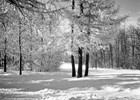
52, 61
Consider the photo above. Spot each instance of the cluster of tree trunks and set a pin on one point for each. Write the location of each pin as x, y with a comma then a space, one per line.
80, 54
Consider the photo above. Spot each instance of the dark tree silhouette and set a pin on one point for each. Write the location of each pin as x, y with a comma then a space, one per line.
80, 56
20, 48
87, 64
79, 72
72, 56
5, 55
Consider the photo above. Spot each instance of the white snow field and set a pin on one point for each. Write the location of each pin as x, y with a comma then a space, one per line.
101, 84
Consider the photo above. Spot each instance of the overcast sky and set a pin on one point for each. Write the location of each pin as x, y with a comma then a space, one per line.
131, 7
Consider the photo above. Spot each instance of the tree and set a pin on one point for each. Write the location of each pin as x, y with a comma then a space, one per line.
20, 48
5, 55
72, 56
135, 46
80, 55
31, 44
6, 21
111, 55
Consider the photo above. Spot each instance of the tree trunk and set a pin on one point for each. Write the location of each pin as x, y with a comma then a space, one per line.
122, 51
31, 46
31, 63
42, 55
96, 60
87, 65
20, 64
5, 63
87, 54
133, 48
72, 57
0, 60
73, 66
73, 4
5, 56
117, 53
111, 55
126, 53
79, 74
20, 47
104, 57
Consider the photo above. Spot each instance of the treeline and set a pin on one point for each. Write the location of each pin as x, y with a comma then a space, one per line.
29, 42
122, 53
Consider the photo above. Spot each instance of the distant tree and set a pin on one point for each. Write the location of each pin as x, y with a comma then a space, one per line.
7, 18
135, 46
31, 44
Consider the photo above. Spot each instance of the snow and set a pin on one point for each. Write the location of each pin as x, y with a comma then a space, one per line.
40, 81
111, 88
101, 84
67, 66
77, 79
129, 82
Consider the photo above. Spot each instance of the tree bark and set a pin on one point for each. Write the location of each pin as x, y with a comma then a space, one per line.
79, 74
96, 60
72, 56
88, 34
87, 64
133, 48
5, 55
73, 66
42, 55
0, 60
104, 57
117, 53
20, 64
31, 46
20, 47
111, 55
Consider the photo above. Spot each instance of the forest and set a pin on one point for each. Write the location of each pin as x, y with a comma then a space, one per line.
68, 50
40, 35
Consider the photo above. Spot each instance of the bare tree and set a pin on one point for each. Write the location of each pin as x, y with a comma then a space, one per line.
20, 48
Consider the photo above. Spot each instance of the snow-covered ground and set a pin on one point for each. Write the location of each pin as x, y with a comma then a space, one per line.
102, 84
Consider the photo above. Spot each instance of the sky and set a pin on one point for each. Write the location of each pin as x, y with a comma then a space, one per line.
131, 7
